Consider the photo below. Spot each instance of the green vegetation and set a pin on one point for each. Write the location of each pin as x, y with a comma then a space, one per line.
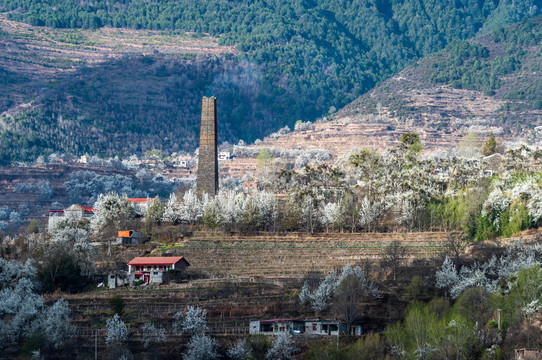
117, 305
471, 65
489, 145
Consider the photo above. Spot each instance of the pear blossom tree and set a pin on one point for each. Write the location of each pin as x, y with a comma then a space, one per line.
113, 210
320, 297
240, 350
152, 335
23, 311
201, 347
117, 332
282, 349
172, 212
489, 274
191, 322
57, 325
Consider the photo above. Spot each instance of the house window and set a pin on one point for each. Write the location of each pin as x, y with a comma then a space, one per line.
313, 327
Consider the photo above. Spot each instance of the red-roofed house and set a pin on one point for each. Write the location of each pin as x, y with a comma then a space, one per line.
151, 269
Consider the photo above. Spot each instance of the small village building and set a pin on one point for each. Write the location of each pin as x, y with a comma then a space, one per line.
224, 156
115, 280
129, 237
277, 326
181, 161
308, 327
326, 327
527, 354
251, 186
152, 269
492, 164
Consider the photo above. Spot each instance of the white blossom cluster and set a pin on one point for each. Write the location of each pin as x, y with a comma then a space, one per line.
227, 207
487, 274
240, 350
117, 332
152, 335
191, 322
506, 190
282, 349
111, 207
23, 312
201, 346
495, 204
320, 297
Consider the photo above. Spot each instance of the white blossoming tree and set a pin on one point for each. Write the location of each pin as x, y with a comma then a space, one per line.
117, 333
240, 350
201, 347
191, 322
152, 335
282, 349
113, 212
57, 325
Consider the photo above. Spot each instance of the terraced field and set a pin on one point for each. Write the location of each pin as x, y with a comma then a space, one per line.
292, 256
247, 277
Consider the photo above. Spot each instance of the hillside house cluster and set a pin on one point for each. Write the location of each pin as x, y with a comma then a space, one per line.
181, 161
308, 327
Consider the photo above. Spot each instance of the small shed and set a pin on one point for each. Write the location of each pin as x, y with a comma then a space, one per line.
115, 280
129, 237
527, 354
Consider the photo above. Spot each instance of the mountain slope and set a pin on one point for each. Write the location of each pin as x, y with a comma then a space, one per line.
293, 60
488, 84
491, 81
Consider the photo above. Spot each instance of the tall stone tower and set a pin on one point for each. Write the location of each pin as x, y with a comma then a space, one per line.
208, 154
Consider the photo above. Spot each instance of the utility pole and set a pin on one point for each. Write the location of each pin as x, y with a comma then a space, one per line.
499, 319
338, 335
96, 345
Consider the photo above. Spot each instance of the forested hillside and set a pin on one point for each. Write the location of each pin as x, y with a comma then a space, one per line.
295, 60
493, 79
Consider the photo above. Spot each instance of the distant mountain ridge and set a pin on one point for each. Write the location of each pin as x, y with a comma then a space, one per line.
291, 60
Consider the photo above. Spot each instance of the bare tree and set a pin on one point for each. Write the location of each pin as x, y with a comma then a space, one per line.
347, 300
456, 244
393, 256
